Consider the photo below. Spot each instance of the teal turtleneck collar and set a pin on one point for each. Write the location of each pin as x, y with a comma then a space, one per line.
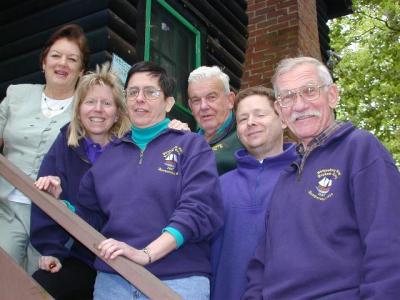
223, 126
143, 136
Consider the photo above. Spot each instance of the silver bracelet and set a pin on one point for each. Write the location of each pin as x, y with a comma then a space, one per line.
145, 250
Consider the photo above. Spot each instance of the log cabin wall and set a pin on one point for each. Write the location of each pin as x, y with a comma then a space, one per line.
245, 38
226, 34
114, 26
25, 26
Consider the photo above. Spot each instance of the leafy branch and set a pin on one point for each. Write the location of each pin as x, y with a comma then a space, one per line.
385, 22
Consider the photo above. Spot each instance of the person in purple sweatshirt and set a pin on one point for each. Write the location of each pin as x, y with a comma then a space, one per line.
154, 194
98, 116
333, 223
246, 190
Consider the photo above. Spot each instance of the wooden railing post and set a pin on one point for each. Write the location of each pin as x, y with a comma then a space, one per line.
16, 284
142, 279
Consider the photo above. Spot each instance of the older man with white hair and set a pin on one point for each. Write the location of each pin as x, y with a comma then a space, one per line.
333, 223
211, 102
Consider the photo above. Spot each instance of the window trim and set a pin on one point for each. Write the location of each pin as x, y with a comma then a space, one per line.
184, 22
181, 19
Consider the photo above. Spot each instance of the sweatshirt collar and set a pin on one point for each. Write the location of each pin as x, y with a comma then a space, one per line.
93, 150
143, 136
222, 131
243, 158
335, 130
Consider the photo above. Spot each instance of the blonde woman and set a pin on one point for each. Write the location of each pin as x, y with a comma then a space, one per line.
99, 116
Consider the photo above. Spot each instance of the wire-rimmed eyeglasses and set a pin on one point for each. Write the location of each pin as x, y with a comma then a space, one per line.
310, 92
149, 93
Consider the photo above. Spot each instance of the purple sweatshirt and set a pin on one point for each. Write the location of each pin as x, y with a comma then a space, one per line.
334, 229
68, 163
246, 192
131, 195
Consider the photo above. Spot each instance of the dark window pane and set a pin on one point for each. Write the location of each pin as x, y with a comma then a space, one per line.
172, 46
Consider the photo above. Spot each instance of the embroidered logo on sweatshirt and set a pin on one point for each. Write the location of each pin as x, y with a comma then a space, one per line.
218, 147
171, 158
324, 182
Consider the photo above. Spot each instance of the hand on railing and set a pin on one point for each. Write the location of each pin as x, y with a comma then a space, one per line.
110, 249
50, 184
50, 264
138, 276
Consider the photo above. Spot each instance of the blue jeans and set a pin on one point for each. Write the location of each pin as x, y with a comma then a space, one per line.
113, 286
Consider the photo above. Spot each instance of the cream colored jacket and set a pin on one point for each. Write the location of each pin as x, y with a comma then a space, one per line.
27, 134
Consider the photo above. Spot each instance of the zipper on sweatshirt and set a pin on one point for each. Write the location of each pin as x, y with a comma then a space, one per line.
82, 157
296, 166
141, 157
85, 160
255, 200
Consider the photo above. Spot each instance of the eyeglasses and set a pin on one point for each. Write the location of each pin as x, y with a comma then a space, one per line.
149, 93
287, 98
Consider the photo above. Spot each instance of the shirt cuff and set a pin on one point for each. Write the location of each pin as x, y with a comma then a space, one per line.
179, 239
69, 205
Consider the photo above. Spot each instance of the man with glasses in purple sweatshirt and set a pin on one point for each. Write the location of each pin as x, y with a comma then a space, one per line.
333, 223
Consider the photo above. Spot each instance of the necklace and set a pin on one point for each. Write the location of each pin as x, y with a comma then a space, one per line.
52, 108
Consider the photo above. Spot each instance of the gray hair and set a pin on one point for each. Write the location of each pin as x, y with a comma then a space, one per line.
288, 64
204, 72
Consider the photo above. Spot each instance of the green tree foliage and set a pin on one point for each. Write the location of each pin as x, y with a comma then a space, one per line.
368, 70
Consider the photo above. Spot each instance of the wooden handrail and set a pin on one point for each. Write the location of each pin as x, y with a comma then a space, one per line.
137, 275
16, 284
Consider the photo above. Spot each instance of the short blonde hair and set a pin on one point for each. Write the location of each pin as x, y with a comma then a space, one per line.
102, 76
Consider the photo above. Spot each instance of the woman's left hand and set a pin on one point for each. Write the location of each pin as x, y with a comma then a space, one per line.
50, 184
178, 125
50, 263
110, 249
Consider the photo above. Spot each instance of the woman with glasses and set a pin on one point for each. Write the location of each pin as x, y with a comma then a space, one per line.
154, 194
99, 117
